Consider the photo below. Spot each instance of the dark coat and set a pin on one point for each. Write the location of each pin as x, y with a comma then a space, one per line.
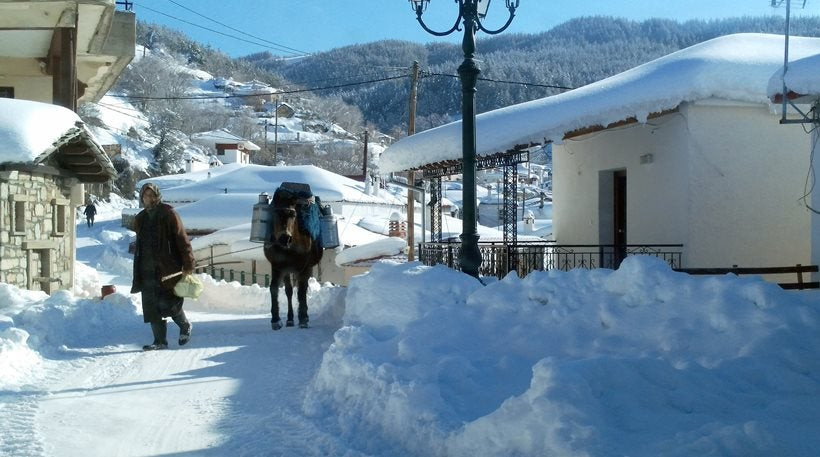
90, 211
174, 253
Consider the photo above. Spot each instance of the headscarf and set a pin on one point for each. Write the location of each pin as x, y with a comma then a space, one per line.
154, 188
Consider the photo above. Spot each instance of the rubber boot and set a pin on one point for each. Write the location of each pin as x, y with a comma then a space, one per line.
160, 330
185, 327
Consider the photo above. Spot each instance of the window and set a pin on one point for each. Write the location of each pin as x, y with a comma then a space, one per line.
59, 211
19, 213
6, 92
60, 219
19, 217
45, 270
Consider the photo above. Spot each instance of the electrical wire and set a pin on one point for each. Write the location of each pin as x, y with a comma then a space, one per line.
548, 86
811, 178
238, 30
216, 31
335, 78
286, 92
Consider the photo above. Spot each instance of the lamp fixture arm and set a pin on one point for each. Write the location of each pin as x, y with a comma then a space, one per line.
511, 6
420, 11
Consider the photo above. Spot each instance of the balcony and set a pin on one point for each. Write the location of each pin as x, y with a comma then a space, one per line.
499, 259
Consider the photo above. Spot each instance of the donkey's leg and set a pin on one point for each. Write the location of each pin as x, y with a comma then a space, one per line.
276, 277
301, 295
289, 293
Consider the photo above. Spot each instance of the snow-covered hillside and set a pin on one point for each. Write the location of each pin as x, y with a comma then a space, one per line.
161, 103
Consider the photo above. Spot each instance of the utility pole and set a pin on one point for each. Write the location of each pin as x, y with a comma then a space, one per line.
364, 160
275, 130
266, 138
411, 175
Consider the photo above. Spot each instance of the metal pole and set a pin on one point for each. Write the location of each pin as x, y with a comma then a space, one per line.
411, 175
420, 191
275, 130
786, 59
470, 255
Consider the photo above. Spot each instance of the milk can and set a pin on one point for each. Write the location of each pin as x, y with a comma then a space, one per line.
330, 228
261, 219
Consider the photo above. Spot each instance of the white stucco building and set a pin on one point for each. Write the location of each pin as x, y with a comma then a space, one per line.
225, 146
686, 149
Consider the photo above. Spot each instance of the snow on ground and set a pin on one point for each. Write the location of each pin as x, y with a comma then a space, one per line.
415, 361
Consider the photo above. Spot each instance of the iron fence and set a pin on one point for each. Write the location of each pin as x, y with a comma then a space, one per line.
230, 275
498, 259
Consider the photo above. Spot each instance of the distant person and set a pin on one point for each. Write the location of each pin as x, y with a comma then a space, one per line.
90, 212
161, 249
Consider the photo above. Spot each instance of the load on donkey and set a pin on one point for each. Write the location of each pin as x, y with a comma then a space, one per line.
295, 228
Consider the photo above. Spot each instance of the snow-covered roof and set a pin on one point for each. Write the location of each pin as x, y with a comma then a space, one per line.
218, 211
802, 79
733, 67
255, 88
33, 133
238, 238
169, 181
221, 136
255, 179
385, 247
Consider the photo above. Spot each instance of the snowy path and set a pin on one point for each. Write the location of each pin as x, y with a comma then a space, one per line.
235, 389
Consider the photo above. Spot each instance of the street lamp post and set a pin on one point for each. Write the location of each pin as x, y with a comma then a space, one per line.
470, 12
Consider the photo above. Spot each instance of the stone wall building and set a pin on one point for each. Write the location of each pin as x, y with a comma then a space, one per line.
42, 170
36, 229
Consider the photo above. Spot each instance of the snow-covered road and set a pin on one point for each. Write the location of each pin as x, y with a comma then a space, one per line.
236, 389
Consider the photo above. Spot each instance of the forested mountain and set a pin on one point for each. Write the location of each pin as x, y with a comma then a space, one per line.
375, 77
572, 54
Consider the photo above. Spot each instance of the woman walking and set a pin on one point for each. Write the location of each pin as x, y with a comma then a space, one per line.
162, 249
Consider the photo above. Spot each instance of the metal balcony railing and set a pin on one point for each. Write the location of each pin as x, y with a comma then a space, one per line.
524, 257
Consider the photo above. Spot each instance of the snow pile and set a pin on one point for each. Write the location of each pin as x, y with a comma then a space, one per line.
65, 320
87, 281
18, 361
573, 363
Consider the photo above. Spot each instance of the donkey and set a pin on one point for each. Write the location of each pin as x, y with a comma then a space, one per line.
293, 249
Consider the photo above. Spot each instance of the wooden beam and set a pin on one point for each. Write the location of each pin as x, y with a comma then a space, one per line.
62, 64
628, 121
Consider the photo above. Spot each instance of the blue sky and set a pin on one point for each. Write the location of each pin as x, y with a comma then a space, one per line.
321, 25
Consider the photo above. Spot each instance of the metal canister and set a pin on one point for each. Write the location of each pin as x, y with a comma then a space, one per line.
329, 227
261, 219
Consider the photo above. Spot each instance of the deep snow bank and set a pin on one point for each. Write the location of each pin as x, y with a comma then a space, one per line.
639, 361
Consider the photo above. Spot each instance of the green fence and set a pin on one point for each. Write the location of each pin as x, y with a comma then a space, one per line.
231, 275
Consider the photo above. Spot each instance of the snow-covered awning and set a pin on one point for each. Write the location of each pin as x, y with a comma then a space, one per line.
222, 136
733, 67
34, 133
802, 81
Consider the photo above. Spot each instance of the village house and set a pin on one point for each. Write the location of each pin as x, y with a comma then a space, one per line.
46, 154
686, 150
255, 94
53, 56
225, 146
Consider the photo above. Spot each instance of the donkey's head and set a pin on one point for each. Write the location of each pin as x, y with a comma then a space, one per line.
288, 228
284, 224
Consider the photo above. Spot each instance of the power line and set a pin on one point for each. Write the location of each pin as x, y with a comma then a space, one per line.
548, 86
237, 30
348, 76
284, 92
216, 31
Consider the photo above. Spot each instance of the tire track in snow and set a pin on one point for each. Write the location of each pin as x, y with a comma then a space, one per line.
19, 436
